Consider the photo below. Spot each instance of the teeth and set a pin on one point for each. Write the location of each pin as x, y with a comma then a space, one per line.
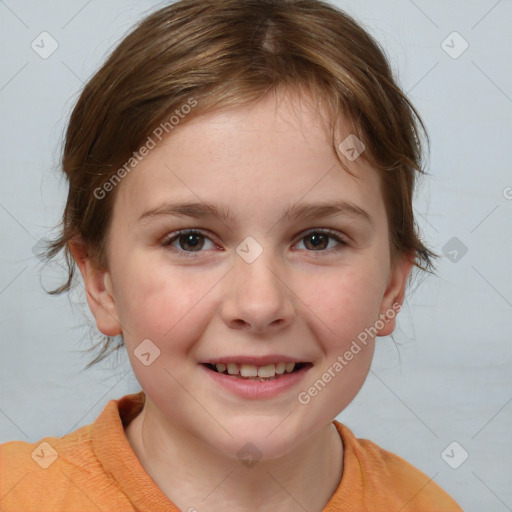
232, 369
290, 367
250, 370
267, 371
280, 368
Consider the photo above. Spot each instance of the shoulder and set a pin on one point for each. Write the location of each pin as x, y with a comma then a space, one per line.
20, 457
45, 472
390, 480
63, 473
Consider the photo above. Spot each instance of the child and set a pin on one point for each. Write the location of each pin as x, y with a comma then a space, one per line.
240, 176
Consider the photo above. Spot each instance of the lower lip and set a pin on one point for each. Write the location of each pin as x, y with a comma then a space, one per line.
257, 389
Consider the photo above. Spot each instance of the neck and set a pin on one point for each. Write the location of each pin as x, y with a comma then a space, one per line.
193, 475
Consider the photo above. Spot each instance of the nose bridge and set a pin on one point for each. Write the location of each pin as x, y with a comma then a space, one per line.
258, 277
256, 295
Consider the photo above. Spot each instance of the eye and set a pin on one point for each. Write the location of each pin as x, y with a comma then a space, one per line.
188, 241
318, 240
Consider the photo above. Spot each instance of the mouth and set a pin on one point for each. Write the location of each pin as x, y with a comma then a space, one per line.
267, 372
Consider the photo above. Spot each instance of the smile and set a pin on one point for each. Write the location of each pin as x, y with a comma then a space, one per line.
253, 381
253, 372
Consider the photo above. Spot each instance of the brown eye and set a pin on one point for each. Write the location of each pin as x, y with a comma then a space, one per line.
320, 240
194, 241
316, 241
188, 241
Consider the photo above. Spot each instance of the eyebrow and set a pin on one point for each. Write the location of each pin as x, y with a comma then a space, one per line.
298, 211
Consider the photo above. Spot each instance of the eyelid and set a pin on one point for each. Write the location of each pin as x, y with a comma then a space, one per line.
337, 235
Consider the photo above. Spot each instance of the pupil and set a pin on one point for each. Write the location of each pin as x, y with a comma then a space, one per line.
317, 240
192, 240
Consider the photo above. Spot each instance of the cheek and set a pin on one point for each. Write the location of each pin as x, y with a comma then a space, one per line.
344, 303
162, 302
341, 308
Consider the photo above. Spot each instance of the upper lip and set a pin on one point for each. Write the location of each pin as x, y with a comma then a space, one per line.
255, 360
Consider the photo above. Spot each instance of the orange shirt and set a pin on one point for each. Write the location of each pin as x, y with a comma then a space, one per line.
95, 469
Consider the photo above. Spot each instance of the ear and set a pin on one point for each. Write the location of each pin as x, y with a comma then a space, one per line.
394, 295
98, 287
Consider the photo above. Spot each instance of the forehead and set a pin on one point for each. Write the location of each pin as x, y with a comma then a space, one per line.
252, 158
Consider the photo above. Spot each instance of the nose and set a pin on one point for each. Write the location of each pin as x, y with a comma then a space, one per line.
257, 297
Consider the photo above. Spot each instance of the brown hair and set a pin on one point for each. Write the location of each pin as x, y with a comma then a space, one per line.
219, 54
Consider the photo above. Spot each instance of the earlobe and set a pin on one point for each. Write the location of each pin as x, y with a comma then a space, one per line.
98, 288
394, 296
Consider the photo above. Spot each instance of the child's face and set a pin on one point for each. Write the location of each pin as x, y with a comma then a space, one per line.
304, 298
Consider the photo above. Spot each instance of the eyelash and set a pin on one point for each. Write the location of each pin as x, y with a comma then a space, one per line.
169, 240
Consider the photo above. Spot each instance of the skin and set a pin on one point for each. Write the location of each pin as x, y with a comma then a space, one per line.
294, 299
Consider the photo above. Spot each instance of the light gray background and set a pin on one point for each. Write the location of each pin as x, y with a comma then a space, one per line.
453, 380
